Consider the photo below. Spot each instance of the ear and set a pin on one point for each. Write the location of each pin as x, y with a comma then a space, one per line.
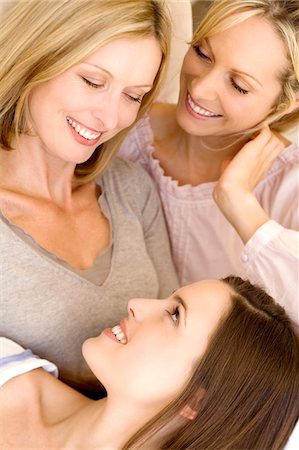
188, 413
190, 410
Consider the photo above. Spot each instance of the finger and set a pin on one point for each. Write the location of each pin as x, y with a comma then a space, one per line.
265, 135
270, 151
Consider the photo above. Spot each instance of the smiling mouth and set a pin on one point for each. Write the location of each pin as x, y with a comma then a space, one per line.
87, 134
199, 110
119, 334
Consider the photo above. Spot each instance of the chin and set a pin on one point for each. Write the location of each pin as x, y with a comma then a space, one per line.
94, 357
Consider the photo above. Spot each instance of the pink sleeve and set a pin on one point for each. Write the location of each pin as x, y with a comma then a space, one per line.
270, 258
134, 146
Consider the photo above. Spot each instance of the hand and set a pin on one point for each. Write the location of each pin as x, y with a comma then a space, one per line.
234, 191
250, 164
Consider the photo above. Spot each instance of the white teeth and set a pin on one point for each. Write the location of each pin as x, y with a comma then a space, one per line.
118, 333
85, 133
198, 110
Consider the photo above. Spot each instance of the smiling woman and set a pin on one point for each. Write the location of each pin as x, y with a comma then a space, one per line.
79, 236
189, 371
97, 98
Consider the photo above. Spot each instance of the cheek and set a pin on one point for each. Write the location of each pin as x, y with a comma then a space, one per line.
157, 374
247, 111
127, 115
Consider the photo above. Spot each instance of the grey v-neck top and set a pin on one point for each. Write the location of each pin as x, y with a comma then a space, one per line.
51, 309
95, 274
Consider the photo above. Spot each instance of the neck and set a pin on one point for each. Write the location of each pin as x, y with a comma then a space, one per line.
212, 148
226, 145
104, 425
31, 170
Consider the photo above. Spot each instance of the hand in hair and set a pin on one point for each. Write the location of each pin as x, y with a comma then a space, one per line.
234, 191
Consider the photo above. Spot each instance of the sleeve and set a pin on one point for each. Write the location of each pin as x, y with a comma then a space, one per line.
157, 241
133, 147
15, 360
271, 255
270, 258
293, 442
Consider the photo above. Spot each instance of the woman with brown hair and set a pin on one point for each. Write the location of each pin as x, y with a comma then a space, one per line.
214, 366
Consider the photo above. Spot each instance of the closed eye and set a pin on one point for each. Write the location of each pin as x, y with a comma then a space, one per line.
199, 53
91, 84
237, 87
134, 99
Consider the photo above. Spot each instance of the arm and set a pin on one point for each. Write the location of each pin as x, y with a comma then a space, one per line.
234, 191
270, 255
270, 259
157, 242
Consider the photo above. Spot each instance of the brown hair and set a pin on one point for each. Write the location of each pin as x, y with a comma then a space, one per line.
247, 383
283, 16
40, 40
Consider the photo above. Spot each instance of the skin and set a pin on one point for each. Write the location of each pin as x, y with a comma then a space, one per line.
162, 338
241, 86
37, 189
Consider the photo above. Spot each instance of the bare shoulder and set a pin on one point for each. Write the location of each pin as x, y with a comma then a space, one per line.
163, 119
31, 403
19, 401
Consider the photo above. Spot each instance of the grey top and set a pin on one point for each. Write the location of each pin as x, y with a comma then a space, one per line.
101, 267
50, 309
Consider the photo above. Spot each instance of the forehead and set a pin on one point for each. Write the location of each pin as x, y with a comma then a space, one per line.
120, 56
206, 301
252, 46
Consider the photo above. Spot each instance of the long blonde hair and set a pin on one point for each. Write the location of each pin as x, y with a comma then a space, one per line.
40, 39
283, 15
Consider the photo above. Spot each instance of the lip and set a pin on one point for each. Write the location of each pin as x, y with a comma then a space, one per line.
81, 139
123, 327
198, 115
108, 332
92, 130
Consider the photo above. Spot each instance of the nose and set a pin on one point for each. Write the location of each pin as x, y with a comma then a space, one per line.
140, 308
107, 111
205, 85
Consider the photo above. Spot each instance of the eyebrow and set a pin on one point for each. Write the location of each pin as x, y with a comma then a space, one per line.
182, 302
110, 75
234, 70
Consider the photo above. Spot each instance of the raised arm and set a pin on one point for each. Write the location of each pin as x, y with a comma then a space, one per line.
270, 255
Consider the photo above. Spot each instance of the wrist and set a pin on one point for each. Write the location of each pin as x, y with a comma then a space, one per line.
243, 212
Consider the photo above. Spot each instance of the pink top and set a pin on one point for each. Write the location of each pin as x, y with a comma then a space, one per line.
204, 243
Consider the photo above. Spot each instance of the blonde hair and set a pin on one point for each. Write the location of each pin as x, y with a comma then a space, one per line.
40, 39
283, 15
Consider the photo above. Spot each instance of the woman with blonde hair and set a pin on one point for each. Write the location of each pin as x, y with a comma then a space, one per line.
227, 178
80, 234
180, 373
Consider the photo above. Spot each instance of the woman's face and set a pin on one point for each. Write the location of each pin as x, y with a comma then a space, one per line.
91, 102
158, 343
230, 82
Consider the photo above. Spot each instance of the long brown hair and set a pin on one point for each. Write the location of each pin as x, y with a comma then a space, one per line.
247, 383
